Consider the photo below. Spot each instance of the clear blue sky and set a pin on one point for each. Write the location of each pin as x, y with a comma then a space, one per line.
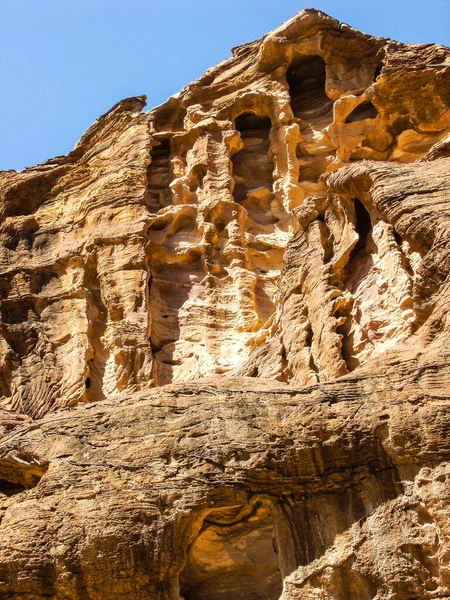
65, 62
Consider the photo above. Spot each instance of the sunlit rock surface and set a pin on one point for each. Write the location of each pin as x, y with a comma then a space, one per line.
224, 336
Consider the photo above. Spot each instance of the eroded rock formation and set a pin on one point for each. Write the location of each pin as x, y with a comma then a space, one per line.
273, 243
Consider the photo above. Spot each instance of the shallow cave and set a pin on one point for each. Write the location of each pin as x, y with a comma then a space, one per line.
248, 124
233, 557
10, 488
253, 165
378, 70
306, 80
20, 479
365, 110
362, 250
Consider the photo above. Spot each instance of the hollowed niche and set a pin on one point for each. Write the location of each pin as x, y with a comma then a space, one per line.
17, 475
10, 488
234, 557
252, 166
306, 79
158, 176
365, 110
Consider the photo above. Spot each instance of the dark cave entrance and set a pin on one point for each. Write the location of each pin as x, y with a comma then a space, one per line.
10, 488
363, 228
16, 479
306, 80
233, 557
360, 261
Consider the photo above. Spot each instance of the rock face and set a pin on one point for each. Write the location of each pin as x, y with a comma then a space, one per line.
224, 336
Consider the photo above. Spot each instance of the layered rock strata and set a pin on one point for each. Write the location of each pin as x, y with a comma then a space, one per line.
280, 229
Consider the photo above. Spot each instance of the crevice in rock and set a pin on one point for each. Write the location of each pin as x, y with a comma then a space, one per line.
308, 344
286, 371
20, 473
344, 317
312, 363
398, 238
326, 241
359, 260
158, 176
233, 557
378, 70
97, 315
365, 110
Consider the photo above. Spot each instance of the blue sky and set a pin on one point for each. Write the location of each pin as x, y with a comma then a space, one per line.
65, 62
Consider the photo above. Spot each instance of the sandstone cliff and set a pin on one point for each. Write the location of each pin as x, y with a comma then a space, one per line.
224, 336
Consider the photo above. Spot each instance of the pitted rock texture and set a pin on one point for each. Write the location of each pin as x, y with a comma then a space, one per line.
155, 251
224, 336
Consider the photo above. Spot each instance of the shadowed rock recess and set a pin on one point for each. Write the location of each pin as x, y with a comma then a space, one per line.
225, 336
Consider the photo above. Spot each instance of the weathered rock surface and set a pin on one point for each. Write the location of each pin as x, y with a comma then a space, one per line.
281, 229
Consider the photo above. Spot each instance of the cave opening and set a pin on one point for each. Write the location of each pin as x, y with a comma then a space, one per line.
247, 123
19, 479
365, 110
233, 557
158, 176
363, 226
9, 488
252, 165
306, 80
377, 73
